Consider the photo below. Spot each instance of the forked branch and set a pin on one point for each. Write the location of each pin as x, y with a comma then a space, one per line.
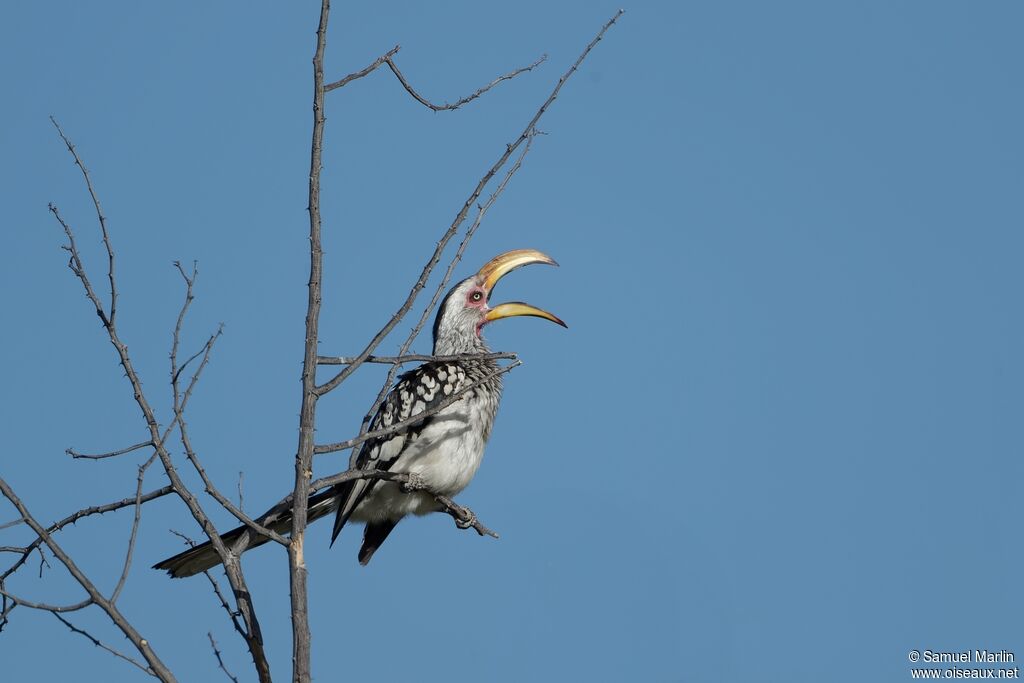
94, 595
389, 59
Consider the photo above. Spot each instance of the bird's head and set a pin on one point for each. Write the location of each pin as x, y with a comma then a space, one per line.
465, 309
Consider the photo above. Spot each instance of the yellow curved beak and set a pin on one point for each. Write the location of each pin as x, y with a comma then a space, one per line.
500, 266
519, 308
503, 264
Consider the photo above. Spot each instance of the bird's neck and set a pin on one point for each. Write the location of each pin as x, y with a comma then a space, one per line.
456, 342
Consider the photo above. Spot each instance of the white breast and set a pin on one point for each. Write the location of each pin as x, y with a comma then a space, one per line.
446, 455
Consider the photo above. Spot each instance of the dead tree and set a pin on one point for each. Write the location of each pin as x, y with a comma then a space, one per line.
185, 372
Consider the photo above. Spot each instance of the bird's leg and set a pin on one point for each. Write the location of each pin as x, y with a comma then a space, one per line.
415, 483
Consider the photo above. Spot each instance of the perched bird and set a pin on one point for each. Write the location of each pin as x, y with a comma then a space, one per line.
444, 450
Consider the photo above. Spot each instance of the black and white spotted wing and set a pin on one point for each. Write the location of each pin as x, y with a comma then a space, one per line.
415, 392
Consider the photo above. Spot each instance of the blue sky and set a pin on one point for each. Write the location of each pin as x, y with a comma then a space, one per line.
781, 439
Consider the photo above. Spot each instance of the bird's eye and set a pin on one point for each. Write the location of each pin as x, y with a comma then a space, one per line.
476, 296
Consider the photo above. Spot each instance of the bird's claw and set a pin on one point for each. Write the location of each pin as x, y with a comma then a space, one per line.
468, 522
415, 483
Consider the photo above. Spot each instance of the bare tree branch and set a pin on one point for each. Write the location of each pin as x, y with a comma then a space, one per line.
135, 529
75, 454
233, 615
220, 661
176, 335
99, 644
363, 72
42, 562
75, 264
388, 58
46, 607
86, 512
462, 100
99, 216
297, 573
140, 643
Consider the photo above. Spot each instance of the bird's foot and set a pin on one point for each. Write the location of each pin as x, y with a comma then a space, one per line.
468, 519
415, 483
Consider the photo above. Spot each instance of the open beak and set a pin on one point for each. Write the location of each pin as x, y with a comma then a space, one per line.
502, 265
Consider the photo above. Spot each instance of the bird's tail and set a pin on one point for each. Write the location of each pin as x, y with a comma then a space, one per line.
204, 556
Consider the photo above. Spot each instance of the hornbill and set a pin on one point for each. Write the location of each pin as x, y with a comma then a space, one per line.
444, 450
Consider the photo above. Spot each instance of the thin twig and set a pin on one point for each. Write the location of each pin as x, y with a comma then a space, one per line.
192, 358
46, 607
75, 454
135, 529
462, 100
241, 497
76, 266
232, 614
363, 72
220, 661
42, 562
8, 606
225, 502
99, 215
176, 335
100, 644
388, 58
